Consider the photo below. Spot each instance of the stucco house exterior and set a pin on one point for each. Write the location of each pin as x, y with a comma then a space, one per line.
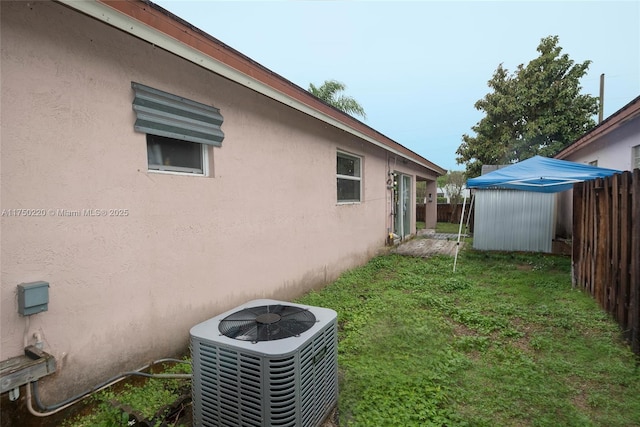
154, 177
614, 143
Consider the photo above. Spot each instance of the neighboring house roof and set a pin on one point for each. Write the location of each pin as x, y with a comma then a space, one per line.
611, 123
539, 174
158, 26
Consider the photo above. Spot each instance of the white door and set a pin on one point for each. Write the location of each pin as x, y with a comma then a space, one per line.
403, 206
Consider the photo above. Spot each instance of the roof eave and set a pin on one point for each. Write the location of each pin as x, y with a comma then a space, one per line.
611, 123
155, 25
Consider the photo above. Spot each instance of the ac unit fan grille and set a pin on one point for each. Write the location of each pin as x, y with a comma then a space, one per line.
267, 323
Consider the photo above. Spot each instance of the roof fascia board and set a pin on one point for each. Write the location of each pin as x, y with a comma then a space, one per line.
611, 123
105, 13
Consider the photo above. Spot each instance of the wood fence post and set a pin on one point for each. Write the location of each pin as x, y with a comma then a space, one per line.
600, 252
614, 244
625, 253
587, 238
607, 221
577, 232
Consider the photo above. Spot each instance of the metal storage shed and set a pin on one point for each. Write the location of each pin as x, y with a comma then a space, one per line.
515, 205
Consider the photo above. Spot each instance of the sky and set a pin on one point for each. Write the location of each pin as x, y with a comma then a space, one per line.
418, 67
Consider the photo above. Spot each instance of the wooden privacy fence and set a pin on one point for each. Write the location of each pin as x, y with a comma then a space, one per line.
444, 213
606, 247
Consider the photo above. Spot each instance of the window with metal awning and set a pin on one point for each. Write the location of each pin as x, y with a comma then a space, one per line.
178, 130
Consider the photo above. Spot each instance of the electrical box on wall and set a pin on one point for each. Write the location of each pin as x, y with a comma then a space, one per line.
33, 298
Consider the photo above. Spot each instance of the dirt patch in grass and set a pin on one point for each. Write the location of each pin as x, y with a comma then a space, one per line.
580, 387
460, 329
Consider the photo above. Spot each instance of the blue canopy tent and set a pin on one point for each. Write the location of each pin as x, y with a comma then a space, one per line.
515, 207
539, 174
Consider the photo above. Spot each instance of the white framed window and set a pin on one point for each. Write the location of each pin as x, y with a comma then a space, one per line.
173, 155
179, 131
349, 178
635, 160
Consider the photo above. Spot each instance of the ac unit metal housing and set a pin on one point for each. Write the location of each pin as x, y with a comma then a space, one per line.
288, 382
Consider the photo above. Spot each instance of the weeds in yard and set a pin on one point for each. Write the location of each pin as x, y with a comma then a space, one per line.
126, 404
504, 341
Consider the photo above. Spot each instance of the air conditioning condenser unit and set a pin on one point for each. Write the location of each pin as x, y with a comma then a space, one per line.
266, 363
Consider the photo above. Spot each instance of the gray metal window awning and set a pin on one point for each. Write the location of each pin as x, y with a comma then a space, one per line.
164, 114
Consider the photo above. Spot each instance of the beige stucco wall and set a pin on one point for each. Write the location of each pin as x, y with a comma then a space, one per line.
431, 216
126, 289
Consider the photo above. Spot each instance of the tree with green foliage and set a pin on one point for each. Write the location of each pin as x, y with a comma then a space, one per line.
454, 184
537, 110
331, 92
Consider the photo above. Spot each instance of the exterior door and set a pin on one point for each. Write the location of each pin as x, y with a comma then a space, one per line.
403, 206
406, 205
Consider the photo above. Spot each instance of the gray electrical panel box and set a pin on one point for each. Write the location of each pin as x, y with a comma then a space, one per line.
33, 298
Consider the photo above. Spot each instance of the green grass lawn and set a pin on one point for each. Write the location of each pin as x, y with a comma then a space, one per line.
505, 341
442, 227
446, 227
